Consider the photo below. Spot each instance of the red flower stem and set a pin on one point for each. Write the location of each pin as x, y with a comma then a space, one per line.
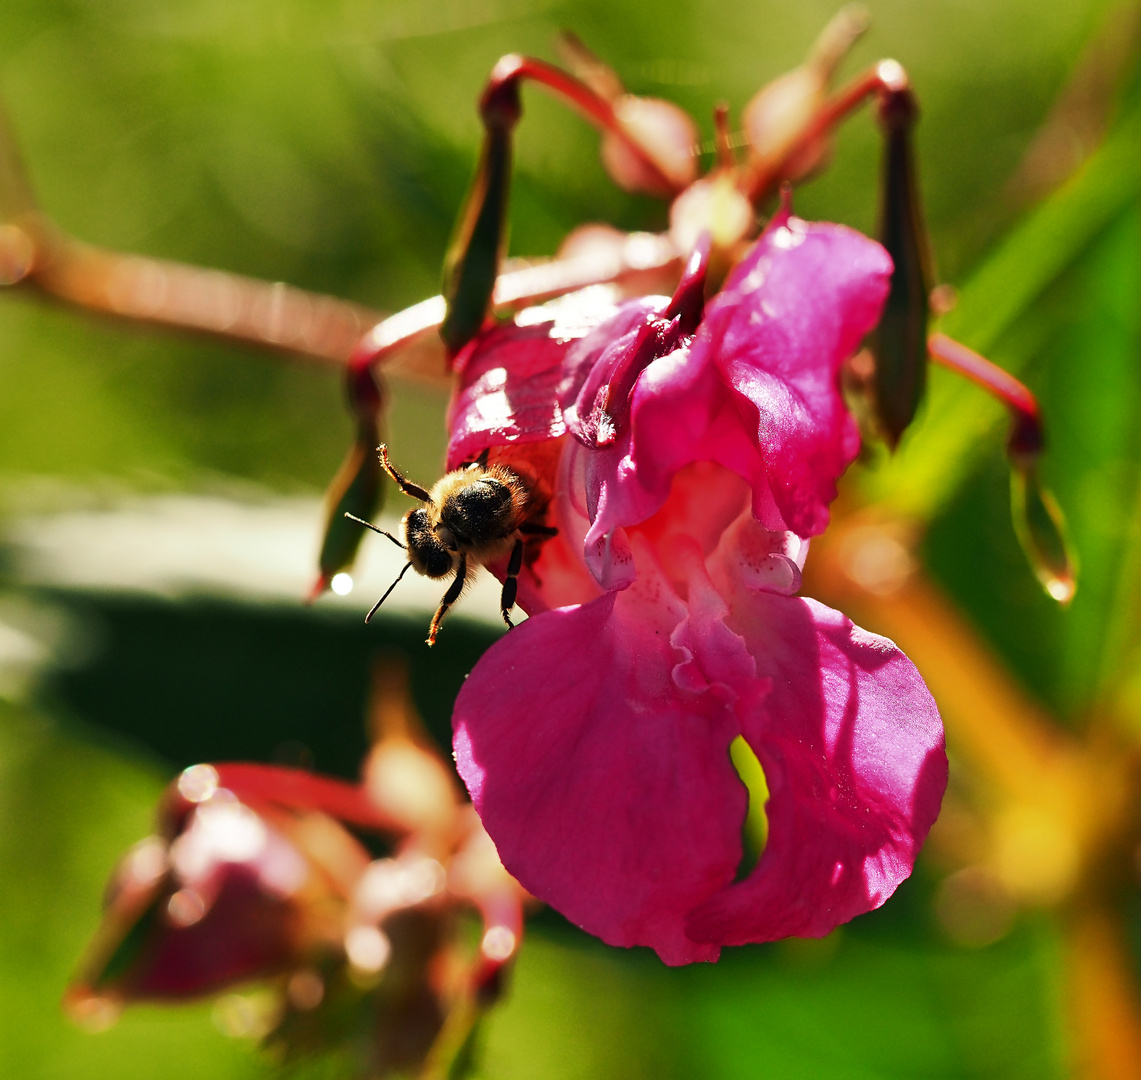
642, 255
722, 138
301, 790
37, 255
1026, 435
599, 110
886, 79
501, 909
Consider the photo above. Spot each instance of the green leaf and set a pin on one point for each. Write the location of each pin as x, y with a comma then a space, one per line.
1094, 398
958, 422
68, 809
1086, 340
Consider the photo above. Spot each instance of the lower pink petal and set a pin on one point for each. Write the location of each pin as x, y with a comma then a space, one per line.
606, 786
852, 747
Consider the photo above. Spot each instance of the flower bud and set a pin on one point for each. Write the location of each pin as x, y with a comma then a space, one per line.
480, 238
231, 894
780, 116
713, 205
356, 489
666, 133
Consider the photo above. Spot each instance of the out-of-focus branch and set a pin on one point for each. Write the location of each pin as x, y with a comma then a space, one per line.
1081, 115
1102, 998
36, 255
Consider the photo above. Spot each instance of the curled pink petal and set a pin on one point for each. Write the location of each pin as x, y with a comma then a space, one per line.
790, 314
595, 360
607, 788
757, 389
852, 747
682, 414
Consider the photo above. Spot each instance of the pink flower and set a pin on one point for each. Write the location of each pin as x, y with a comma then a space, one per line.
687, 457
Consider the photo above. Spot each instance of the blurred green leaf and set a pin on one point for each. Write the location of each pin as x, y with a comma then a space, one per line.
1094, 398
1085, 338
813, 1010
958, 422
68, 810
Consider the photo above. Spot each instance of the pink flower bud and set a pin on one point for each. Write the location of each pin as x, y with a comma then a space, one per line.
666, 133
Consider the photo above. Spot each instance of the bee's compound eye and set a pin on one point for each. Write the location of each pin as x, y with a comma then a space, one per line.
437, 562
427, 554
447, 537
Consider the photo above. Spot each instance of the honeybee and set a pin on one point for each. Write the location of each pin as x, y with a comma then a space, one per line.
472, 516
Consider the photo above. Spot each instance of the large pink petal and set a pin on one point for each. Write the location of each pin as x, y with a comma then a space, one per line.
790, 314
606, 786
852, 747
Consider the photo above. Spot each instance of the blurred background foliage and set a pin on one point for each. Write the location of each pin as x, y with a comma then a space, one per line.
329, 145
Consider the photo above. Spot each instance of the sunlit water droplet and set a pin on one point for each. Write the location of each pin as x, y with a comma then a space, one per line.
498, 943
198, 783
367, 948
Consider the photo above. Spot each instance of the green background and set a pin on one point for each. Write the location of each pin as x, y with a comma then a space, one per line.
329, 145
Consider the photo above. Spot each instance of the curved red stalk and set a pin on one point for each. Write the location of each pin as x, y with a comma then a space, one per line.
297, 789
887, 79
592, 105
1026, 436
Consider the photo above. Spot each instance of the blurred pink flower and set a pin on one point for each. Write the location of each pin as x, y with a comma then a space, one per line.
704, 450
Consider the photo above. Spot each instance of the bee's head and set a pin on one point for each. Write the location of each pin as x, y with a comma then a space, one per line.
426, 552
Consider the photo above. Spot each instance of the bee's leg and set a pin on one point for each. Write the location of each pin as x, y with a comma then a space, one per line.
409, 488
450, 597
511, 583
529, 528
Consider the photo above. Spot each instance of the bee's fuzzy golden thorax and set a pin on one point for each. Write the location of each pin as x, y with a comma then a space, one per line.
472, 511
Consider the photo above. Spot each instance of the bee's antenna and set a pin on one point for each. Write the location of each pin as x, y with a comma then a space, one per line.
376, 606
370, 525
